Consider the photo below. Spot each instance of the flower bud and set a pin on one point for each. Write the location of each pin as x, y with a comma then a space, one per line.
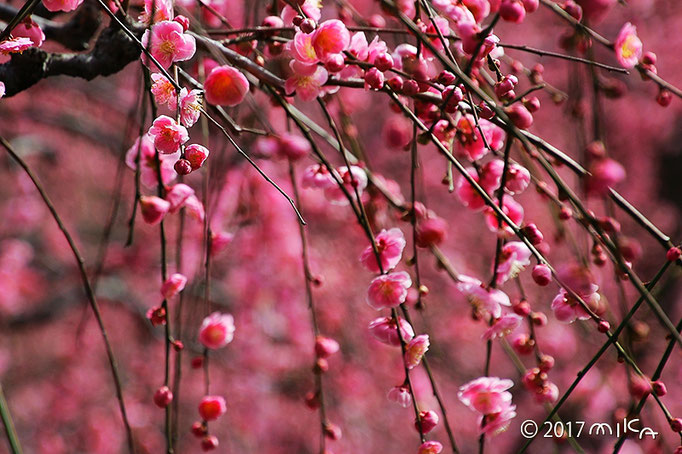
383, 61
325, 346
520, 116
199, 429
659, 388
428, 421
153, 209
431, 232
212, 407
196, 155
673, 254
163, 396
335, 63
512, 11
209, 443
182, 20
542, 275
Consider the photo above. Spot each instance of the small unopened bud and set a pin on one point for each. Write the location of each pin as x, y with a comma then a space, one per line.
676, 424
603, 326
664, 98
325, 346
546, 363
533, 233
199, 429
659, 388
673, 254
565, 213
183, 167
542, 275
308, 26
383, 61
321, 366
332, 431
538, 319
522, 308
209, 443
428, 420
163, 396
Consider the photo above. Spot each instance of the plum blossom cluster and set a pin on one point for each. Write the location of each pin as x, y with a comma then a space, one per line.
216, 331
389, 290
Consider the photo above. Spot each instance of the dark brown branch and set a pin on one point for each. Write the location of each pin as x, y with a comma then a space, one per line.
74, 34
113, 51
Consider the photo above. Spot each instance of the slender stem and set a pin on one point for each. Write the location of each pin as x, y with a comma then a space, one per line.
10, 431
86, 286
547, 53
307, 276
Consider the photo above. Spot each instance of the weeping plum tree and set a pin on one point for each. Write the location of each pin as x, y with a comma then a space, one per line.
256, 226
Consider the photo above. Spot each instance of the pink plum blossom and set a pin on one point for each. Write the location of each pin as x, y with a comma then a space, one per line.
293, 146
168, 135
355, 179
61, 5
212, 407
469, 141
496, 423
390, 245
196, 155
169, 44
567, 309
195, 208
415, 350
518, 178
162, 10
217, 330
385, 330
512, 209
628, 46
173, 285
466, 193
148, 165
15, 45
302, 48
317, 176
190, 107
604, 174
177, 196
220, 241
164, 92
325, 346
400, 395
428, 420
388, 290
225, 86
2, 89
331, 37
515, 257
431, 231
28, 28
306, 80
483, 297
311, 8
503, 326
153, 209
430, 447
486, 395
